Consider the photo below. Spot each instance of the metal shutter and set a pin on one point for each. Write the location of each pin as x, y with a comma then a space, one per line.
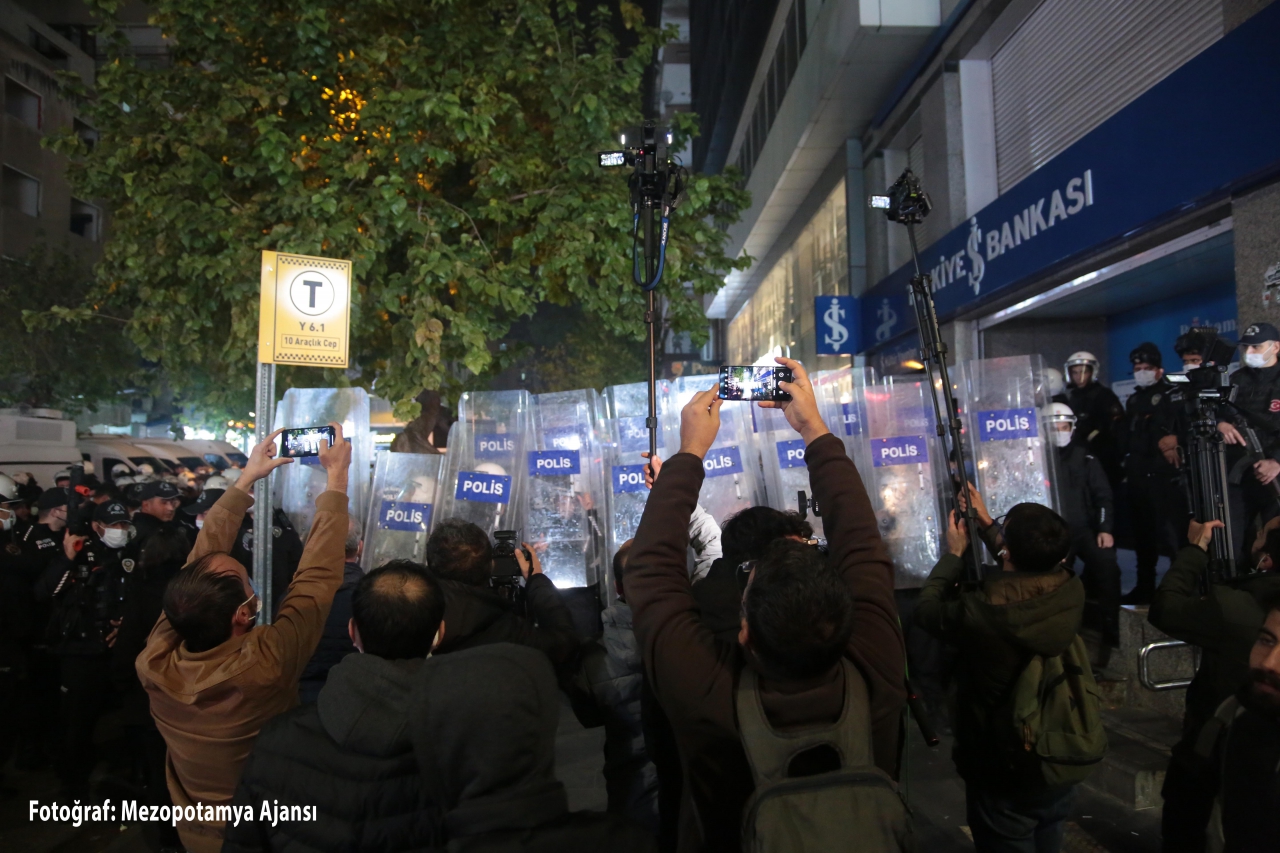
1071, 65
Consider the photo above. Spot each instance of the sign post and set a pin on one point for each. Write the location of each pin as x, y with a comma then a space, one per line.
304, 320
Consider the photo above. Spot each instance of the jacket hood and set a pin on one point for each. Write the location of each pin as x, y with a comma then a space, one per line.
619, 637
484, 727
1039, 611
365, 701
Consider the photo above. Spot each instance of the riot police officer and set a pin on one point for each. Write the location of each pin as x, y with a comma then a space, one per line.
1089, 510
158, 506
1148, 474
1252, 473
1098, 413
85, 585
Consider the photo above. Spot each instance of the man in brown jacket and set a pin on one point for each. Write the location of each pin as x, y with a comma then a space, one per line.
213, 679
797, 659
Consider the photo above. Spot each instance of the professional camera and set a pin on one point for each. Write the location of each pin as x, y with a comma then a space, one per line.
903, 202
506, 571
1216, 355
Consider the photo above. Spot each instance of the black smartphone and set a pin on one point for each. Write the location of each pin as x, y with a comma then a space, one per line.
305, 442
754, 383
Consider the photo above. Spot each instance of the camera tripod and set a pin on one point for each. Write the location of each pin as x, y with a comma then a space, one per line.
1207, 483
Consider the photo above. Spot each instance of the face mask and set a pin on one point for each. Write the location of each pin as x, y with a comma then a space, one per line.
1255, 359
7, 524
199, 524
113, 537
1060, 438
1144, 378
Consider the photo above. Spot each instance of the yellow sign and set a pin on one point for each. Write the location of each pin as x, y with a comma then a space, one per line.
306, 310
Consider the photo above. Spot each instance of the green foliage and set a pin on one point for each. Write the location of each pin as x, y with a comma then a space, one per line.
448, 147
43, 362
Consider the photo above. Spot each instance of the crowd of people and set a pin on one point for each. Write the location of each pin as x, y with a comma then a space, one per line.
750, 679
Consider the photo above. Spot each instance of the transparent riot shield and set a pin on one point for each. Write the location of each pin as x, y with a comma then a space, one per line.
401, 507
902, 477
1003, 400
733, 475
840, 401
483, 479
626, 407
298, 484
564, 495
781, 459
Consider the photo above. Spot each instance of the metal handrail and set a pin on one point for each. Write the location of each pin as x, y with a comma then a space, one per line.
1144, 675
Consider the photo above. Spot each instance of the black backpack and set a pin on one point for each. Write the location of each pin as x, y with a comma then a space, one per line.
854, 804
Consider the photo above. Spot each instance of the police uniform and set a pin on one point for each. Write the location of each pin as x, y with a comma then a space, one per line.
1089, 509
148, 525
1149, 476
1257, 391
1098, 413
86, 594
286, 552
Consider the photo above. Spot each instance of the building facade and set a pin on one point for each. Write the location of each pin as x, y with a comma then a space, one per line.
1101, 174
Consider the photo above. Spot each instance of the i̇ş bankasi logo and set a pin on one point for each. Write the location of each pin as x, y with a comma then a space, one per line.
983, 247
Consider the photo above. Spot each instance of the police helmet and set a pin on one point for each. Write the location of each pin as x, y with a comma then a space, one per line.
1053, 383
8, 489
1062, 413
1081, 358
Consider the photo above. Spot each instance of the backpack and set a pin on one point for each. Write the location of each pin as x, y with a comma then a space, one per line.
847, 798
1056, 717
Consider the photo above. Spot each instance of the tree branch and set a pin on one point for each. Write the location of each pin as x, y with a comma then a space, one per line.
547, 191
474, 228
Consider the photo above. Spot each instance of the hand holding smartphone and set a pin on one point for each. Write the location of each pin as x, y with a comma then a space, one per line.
295, 443
754, 383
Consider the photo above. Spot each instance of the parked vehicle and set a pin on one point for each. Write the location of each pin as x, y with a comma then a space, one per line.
37, 441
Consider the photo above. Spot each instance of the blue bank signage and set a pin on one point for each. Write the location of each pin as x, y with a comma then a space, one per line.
834, 317
1142, 164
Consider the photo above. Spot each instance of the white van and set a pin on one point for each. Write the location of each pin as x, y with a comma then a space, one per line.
220, 454
107, 451
37, 441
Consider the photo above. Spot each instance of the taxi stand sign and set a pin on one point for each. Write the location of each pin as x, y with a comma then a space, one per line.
306, 310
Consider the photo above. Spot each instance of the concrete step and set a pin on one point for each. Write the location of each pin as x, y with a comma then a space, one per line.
1139, 742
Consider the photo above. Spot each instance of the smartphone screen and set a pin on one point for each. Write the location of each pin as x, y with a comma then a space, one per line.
754, 383
305, 442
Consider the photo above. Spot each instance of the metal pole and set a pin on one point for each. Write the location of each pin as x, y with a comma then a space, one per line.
262, 513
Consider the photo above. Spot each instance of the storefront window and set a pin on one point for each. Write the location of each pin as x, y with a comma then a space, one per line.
779, 315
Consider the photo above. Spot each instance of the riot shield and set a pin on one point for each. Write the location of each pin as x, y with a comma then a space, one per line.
902, 477
1014, 462
402, 504
627, 406
483, 479
732, 473
564, 495
298, 484
840, 401
781, 459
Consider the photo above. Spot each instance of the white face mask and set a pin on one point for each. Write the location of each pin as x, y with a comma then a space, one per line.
113, 537
1144, 378
199, 524
1060, 438
7, 523
1255, 359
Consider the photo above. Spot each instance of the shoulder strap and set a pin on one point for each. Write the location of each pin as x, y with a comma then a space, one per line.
769, 752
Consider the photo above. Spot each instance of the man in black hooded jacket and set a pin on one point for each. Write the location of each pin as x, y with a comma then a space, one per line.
483, 725
349, 754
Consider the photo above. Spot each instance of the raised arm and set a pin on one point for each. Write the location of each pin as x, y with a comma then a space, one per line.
1179, 607
682, 660
222, 523
857, 551
299, 622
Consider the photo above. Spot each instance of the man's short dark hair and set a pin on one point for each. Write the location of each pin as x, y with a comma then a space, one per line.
747, 535
166, 545
201, 604
459, 550
1037, 538
397, 608
799, 611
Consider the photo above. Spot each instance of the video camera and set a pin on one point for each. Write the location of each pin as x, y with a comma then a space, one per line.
905, 201
79, 506
1215, 354
506, 570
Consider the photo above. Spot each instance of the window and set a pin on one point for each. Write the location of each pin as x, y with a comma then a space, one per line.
20, 191
86, 133
21, 103
782, 67
85, 220
44, 46
157, 467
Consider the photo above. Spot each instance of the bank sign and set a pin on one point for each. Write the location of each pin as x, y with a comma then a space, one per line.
1144, 163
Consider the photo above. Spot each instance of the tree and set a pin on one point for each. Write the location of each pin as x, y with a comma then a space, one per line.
45, 366
448, 147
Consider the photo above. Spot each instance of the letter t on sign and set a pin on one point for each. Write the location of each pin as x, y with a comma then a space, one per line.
311, 289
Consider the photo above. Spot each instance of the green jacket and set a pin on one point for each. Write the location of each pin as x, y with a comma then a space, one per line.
998, 629
1224, 624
